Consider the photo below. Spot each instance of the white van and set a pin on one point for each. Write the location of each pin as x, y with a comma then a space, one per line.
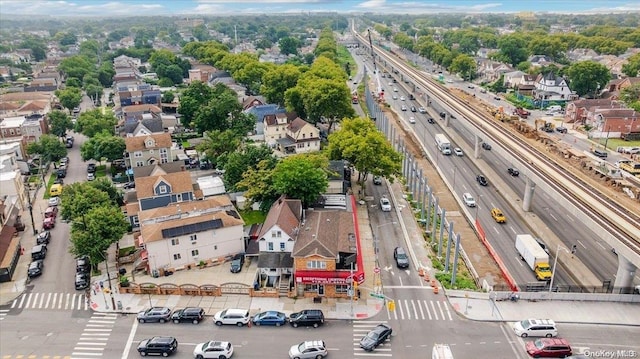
441, 351
554, 109
535, 328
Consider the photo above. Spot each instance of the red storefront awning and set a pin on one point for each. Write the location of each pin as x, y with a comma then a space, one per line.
328, 277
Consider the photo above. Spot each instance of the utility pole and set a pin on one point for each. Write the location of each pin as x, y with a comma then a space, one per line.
353, 288
373, 54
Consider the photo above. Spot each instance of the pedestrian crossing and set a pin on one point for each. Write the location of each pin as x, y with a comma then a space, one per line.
3, 313
94, 337
51, 301
360, 329
416, 309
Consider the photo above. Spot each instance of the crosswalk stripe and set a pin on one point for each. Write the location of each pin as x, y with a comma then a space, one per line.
435, 314
416, 309
61, 301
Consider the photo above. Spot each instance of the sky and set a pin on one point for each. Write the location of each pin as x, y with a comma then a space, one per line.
105, 8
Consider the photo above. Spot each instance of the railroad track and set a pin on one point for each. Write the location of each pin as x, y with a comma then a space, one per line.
622, 224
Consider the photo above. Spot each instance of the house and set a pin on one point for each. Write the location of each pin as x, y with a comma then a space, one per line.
29, 129
550, 87
275, 126
326, 254
540, 60
260, 111
300, 137
512, 79
614, 87
492, 70
613, 122
576, 111
526, 84
159, 186
200, 72
276, 241
148, 149
17, 104
10, 247
184, 235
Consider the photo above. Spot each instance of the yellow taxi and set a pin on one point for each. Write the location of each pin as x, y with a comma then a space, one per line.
498, 216
55, 190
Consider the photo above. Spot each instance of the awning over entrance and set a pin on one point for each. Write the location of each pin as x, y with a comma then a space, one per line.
328, 277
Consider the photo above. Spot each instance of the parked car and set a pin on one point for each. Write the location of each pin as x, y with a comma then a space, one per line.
164, 346
54, 201
64, 160
468, 199
549, 348
535, 328
91, 176
307, 317
513, 171
91, 168
129, 185
82, 281
35, 268
61, 173
155, 314
311, 349
39, 252
377, 180
486, 146
458, 152
213, 349
188, 315
375, 337
51, 212
270, 317
55, 190
83, 265
498, 216
561, 129
237, 317
43, 237
385, 204
49, 223
632, 150
237, 262
402, 260
482, 180
59, 181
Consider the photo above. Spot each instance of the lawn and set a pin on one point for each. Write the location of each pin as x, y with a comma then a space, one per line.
344, 57
252, 217
614, 143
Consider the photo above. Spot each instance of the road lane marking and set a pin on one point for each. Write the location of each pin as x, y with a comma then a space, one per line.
406, 304
415, 312
435, 314
421, 312
426, 306
127, 347
48, 300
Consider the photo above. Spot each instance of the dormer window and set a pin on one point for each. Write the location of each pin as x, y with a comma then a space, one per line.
162, 189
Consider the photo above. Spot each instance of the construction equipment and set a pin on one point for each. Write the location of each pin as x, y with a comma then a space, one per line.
544, 126
521, 112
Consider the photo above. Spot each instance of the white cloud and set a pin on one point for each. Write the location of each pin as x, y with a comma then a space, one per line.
70, 8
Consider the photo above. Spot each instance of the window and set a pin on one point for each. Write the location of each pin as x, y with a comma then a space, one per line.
215, 248
176, 256
342, 289
179, 197
194, 253
162, 189
175, 241
150, 152
310, 287
137, 154
282, 246
139, 163
270, 246
136, 221
316, 265
279, 234
193, 237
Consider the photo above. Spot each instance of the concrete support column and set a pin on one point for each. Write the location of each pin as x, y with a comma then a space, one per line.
476, 146
426, 97
529, 188
447, 118
625, 274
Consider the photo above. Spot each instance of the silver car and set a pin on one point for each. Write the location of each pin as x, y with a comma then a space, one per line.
310, 349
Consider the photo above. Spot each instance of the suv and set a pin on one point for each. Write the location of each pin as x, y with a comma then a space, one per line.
213, 349
91, 168
482, 180
39, 252
310, 349
83, 264
43, 237
237, 317
468, 199
402, 261
35, 268
164, 346
549, 348
237, 262
155, 314
513, 171
313, 317
82, 281
535, 328
188, 315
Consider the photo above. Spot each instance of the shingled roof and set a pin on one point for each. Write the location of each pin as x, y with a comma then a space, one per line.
325, 234
286, 213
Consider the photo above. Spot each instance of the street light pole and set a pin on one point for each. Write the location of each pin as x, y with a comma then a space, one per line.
555, 263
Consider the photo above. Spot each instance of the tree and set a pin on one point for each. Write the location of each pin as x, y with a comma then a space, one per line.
631, 96
240, 161
513, 49
70, 97
330, 99
79, 198
632, 67
586, 77
359, 142
103, 145
59, 123
464, 65
196, 94
258, 184
546, 45
77, 66
48, 147
289, 45
218, 143
93, 122
277, 81
102, 227
302, 176
168, 97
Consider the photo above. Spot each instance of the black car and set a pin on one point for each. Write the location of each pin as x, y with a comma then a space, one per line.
402, 260
486, 146
482, 180
61, 173
431, 120
513, 171
155, 314
83, 265
188, 315
82, 281
58, 181
129, 185
91, 168
43, 237
375, 337
561, 129
237, 262
35, 268
443, 114
313, 317
413, 109
164, 346
39, 252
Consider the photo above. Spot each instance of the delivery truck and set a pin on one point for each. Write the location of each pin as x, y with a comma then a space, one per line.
443, 144
533, 254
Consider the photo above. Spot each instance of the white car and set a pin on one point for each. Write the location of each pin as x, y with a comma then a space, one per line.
213, 349
412, 119
403, 108
402, 98
449, 81
458, 152
54, 201
422, 110
390, 83
385, 204
395, 89
395, 97
468, 199
91, 176
313, 349
237, 317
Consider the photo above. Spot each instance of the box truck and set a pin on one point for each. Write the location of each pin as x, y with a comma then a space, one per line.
533, 254
443, 144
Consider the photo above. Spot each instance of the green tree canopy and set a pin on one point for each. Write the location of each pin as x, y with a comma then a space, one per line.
93, 122
302, 176
218, 143
240, 161
359, 142
80, 197
586, 77
258, 184
48, 147
631, 96
277, 81
289, 45
70, 97
104, 145
513, 49
59, 122
632, 67
464, 65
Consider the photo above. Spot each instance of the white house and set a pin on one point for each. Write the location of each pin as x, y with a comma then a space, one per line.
182, 235
550, 87
512, 79
276, 239
300, 137
275, 127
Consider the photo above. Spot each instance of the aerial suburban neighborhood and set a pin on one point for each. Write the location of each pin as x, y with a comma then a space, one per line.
452, 182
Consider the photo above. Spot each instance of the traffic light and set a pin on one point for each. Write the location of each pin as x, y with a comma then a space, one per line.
391, 305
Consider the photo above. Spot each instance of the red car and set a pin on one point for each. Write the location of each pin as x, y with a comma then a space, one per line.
51, 212
49, 223
549, 348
